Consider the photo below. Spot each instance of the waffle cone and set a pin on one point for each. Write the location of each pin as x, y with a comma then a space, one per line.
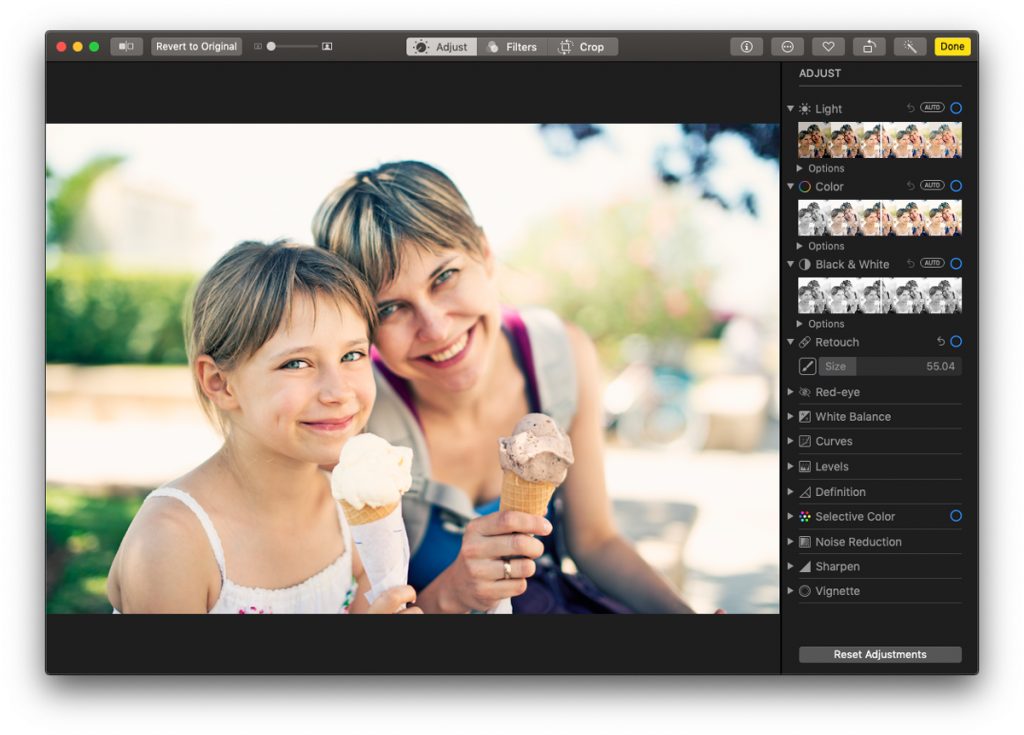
366, 514
525, 496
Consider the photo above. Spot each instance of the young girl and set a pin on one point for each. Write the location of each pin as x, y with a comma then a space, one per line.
806, 300
936, 301
278, 341
904, 303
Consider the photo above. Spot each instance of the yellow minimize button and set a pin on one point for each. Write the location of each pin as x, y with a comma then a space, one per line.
952, 46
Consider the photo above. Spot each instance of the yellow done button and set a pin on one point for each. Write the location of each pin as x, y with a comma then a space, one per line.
952, 46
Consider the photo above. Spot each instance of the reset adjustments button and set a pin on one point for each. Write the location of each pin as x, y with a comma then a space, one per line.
195, 46
881, 654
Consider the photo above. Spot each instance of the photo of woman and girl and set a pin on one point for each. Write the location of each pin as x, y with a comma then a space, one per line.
879, 218
880, 140
879, 296
390, 323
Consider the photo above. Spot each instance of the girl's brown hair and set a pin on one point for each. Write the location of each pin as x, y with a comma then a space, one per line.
242, 300
369, 218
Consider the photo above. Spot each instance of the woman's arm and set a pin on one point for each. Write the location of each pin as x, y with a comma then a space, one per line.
593, 539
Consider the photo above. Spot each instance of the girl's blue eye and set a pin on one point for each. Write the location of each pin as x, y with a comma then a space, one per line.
295, 364
353, 356
444, 276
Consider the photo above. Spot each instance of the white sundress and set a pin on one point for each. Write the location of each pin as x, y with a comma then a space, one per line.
331, 590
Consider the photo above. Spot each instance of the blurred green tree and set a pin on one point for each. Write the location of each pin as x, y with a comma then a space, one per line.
66, 198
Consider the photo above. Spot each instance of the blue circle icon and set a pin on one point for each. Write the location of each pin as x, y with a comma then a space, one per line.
956, 341
956, 108
956, 264
956, 515
956, 185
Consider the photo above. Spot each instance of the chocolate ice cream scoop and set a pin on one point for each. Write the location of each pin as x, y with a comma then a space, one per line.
537, 451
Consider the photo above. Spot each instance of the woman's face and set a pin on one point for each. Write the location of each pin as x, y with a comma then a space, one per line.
440, 319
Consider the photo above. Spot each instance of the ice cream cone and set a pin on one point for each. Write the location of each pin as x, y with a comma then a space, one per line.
523, 495
366, 514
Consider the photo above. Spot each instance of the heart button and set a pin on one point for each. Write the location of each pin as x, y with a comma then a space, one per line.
828, 45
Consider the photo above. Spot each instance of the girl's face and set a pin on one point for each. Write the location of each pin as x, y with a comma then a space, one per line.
871, 218
440, 319
905, 218
310, 387
839, 219
904, 297
805, 297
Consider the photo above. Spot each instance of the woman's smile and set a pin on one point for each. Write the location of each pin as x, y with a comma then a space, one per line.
451, 354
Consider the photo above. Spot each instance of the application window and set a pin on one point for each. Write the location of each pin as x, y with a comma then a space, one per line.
655, 339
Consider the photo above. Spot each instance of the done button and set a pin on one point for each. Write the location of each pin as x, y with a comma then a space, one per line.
952, 46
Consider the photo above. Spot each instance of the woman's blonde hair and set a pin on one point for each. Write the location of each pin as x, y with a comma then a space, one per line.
369, 218
242, 300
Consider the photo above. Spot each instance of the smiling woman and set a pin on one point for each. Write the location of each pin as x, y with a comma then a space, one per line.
455, 371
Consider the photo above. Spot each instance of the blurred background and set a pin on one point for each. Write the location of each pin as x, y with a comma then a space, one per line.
659, 240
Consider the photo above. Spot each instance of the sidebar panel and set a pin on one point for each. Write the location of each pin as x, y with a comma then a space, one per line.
879, 310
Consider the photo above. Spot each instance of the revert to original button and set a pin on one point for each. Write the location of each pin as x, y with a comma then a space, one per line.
195, 46
881, 654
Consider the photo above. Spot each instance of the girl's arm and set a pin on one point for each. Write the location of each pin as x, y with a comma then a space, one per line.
593, 539
165, 563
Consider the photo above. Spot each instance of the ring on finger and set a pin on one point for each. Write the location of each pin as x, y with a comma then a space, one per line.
507, 566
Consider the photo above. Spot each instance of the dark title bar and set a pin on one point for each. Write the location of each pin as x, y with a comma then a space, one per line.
510, 46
